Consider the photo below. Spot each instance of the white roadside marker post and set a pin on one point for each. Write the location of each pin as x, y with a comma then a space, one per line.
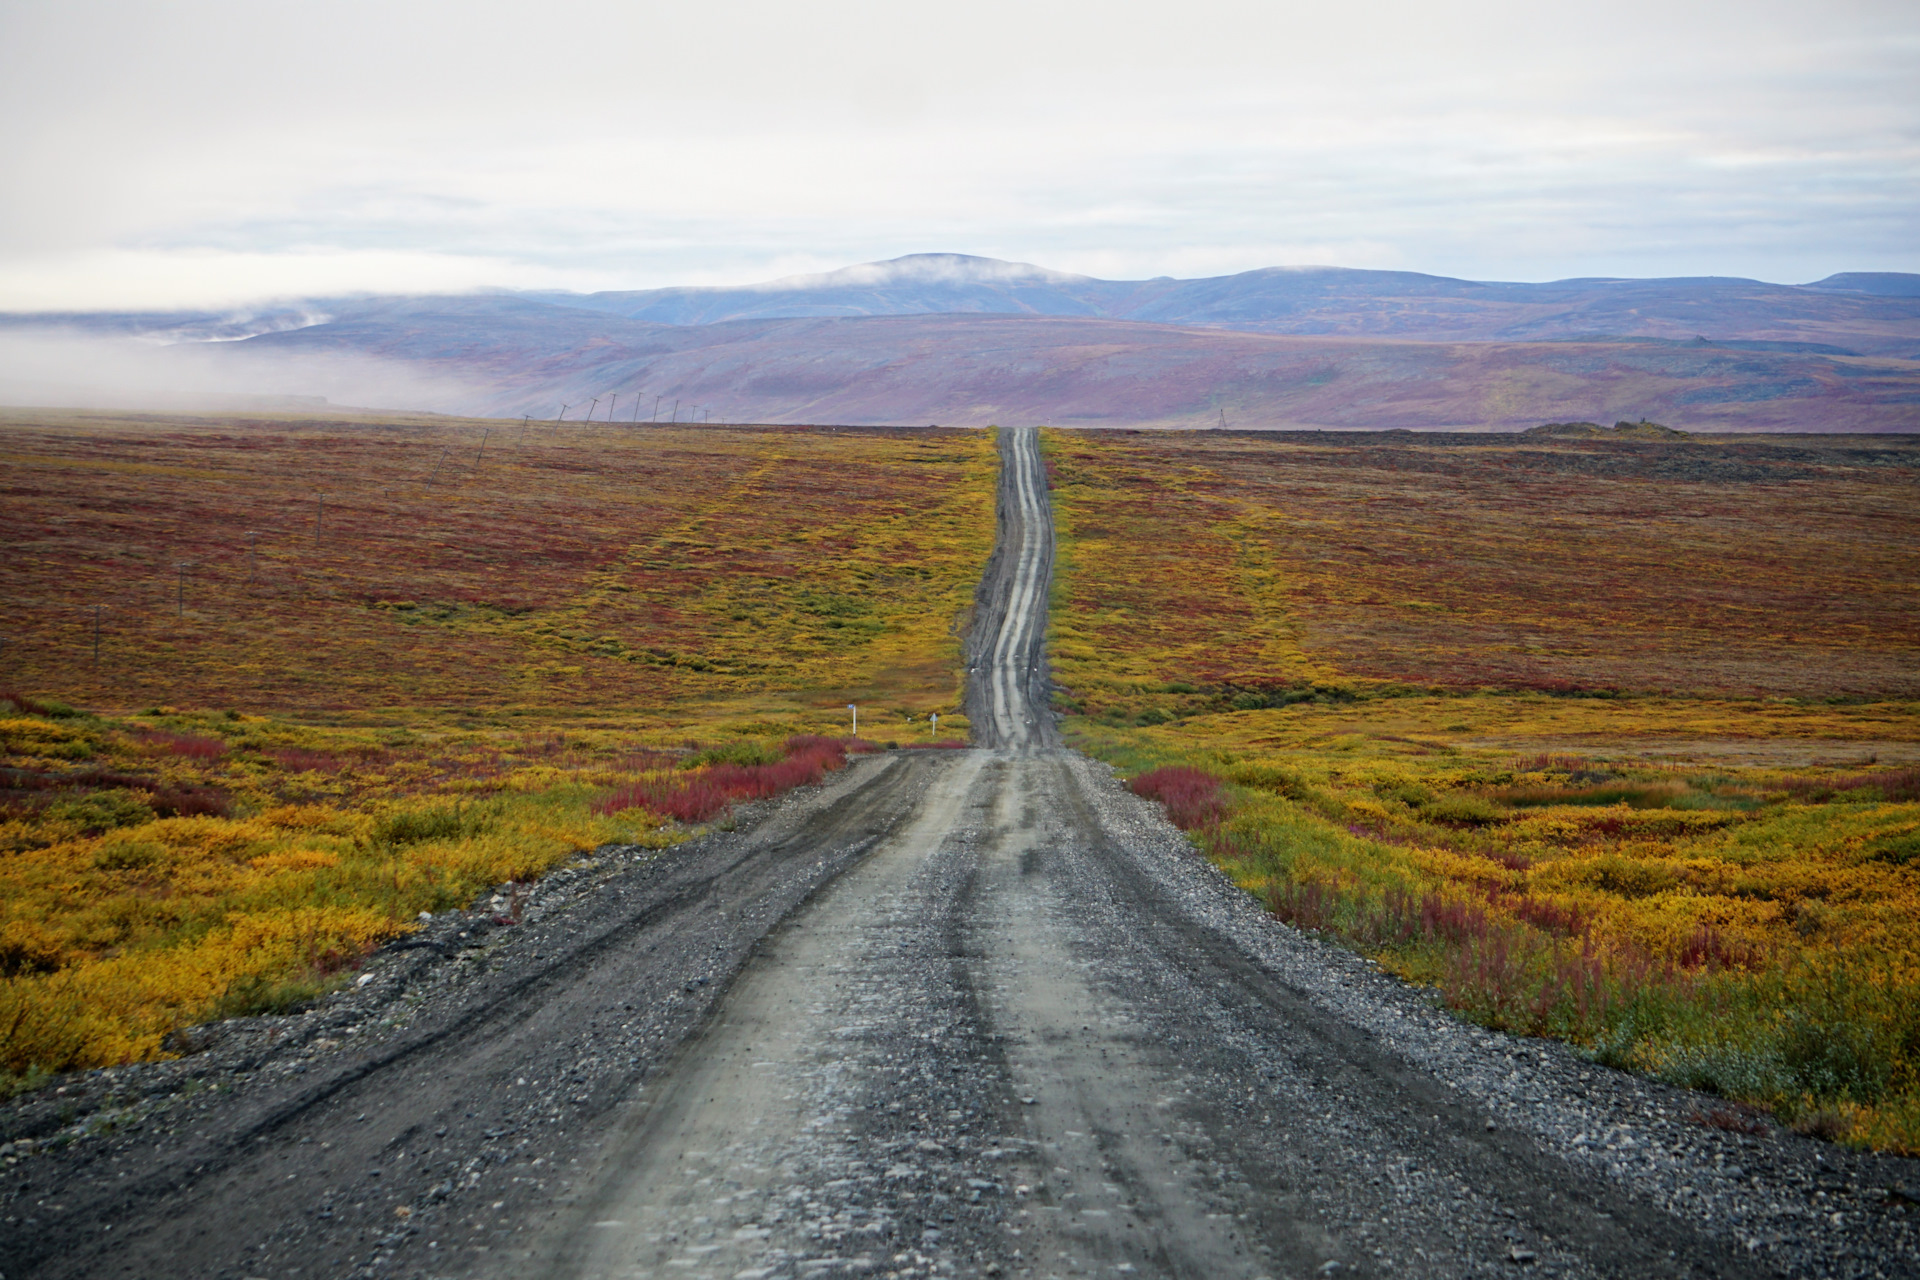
856, 718
935, 731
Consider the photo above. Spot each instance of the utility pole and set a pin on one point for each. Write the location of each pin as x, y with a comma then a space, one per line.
435, 473
483, 446
563, 413
526, 420
613, 402
592, 407
676, 411
655, 415
637, 397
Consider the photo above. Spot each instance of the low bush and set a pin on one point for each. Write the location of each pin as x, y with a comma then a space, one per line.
1192, 796
1705, 934
803, 760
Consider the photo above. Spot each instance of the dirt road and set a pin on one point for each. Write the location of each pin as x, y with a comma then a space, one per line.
957, 1013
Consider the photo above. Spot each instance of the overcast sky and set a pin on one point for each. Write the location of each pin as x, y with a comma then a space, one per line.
206, 153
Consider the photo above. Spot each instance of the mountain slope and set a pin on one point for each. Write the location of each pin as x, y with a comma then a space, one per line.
1866, 312
979, 369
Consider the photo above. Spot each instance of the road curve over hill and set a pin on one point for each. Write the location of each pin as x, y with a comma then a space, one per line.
965, 1013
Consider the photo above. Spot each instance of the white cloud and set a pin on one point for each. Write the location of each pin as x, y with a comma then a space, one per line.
148, 279
192, 153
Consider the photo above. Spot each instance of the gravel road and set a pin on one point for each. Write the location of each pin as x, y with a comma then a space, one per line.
962, 1013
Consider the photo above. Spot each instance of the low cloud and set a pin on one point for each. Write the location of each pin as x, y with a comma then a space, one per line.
55, 367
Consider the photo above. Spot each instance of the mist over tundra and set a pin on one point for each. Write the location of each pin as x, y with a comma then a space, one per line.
62, 365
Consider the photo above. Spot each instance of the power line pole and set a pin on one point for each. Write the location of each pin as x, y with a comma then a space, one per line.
676, 411
655, 415
613, 402
563, 413
483, 447
592, 407
637, 397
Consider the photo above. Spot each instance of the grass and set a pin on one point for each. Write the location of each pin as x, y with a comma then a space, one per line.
1715, 879
461, 674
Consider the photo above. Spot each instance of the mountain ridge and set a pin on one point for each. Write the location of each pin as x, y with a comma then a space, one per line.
959, 340
1872, 312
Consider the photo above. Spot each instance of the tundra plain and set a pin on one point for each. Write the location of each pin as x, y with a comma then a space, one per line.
1493, 826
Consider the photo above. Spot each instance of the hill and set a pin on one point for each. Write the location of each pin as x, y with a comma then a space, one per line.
960, 340
1866, 312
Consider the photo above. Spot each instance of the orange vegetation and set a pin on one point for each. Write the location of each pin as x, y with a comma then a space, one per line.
1744, 567
462, 670
1475, 755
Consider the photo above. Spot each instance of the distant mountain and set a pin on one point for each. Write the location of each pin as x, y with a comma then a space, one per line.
1886, 284
919, 284
1864, 312
961, 340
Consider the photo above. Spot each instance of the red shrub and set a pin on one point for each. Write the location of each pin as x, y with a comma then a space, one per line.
299, 760
191, 802
192, 746
1192, 796
700, 796
1550, 916
1451, 919
1305, 906
1707, 949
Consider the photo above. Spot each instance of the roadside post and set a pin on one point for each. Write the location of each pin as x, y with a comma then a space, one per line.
935, 731
856, 718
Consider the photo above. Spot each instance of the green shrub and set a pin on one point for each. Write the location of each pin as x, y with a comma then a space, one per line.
122, 853
1462, 810
99, 811
433, 822
748, 751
